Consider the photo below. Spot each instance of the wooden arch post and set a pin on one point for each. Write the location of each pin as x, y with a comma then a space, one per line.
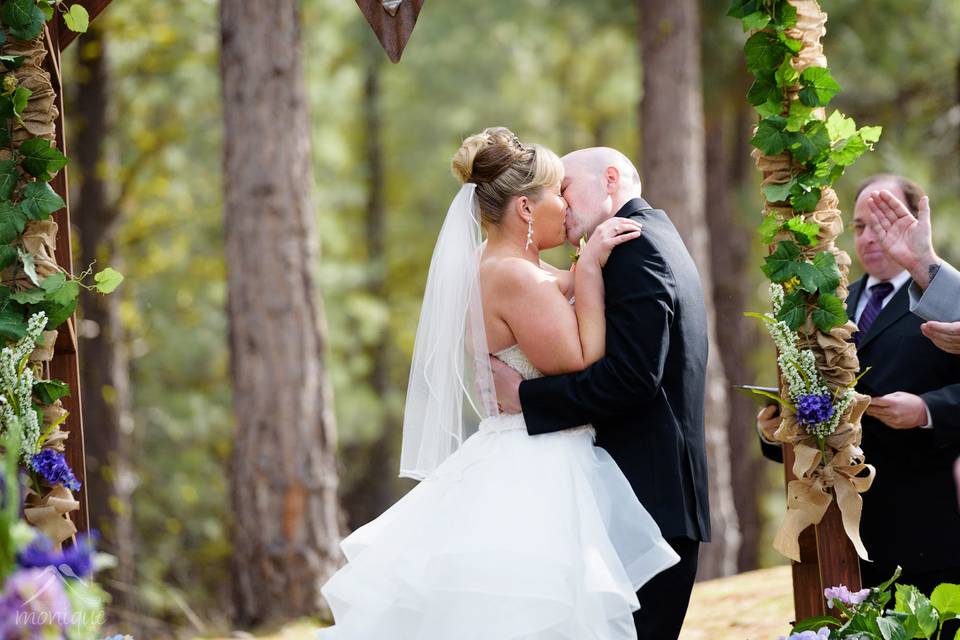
65, 364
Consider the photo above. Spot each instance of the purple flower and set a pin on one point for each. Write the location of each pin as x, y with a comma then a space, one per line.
844, 595
814, 408
74, 562
33, 604
823, 633
54, 468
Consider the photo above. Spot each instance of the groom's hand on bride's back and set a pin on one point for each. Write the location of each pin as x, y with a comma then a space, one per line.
507, 382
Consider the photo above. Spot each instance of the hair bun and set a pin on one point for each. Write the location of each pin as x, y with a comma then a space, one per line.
501, 138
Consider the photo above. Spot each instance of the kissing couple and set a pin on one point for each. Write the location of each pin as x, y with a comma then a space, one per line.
553, 417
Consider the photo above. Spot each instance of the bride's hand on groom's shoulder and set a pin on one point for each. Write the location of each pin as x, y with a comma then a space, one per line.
611, 233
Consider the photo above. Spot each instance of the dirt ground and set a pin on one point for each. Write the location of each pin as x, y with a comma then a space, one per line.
757, 605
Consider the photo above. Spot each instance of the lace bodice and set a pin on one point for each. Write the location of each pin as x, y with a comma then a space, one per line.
515, 359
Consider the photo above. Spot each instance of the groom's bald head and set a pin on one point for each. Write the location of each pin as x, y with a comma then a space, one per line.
597, 182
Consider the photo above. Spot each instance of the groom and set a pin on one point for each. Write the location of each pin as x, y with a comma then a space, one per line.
645, 396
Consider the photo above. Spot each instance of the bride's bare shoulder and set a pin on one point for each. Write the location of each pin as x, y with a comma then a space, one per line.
510, 273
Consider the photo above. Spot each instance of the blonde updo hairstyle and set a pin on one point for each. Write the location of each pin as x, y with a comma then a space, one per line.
503, 168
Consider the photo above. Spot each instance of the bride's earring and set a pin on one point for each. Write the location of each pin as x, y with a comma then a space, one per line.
529, 233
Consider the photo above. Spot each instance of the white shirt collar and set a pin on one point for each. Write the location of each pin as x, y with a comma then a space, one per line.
897, 281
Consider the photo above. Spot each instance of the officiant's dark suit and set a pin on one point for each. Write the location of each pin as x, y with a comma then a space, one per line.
910, 514
645, 400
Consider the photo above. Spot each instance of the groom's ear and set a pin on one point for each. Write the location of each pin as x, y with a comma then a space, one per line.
613, 178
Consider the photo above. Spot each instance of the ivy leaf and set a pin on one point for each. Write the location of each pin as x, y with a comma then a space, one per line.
780, 266
806, 201
49, 391
814, 624
28, 13
870, 135
30, 296
829, 312
793, 46
794, 309
12, 222
772, 108
891, 629
29, 266
828, 273
108, 280
799, 115
742, 8
12, 62
769, 228
16, 13
840, 127
770, 137
20, 97
8, 178
788, 17
778, 192
77, 19
807, 275
764, 52
755, 21
819, 87
923, 618
13, 326
8, 256
59, 289
847, 152
764, 89
805, 232
946, 598
786, 75
40, 200
57, 314
40, 158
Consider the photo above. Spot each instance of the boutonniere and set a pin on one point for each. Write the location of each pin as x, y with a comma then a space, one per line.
575, 254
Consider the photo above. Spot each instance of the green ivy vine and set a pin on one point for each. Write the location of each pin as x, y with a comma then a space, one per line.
790, 105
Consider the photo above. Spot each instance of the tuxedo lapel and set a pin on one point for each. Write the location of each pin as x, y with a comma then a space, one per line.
898, 307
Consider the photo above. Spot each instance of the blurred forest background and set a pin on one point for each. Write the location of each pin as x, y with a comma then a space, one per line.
145, 135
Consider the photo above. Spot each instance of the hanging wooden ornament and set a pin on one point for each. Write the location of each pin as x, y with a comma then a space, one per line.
393, 22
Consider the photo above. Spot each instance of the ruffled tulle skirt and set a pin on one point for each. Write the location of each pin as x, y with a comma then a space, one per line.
513, 537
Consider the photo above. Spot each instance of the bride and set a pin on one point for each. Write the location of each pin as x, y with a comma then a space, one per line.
508, 536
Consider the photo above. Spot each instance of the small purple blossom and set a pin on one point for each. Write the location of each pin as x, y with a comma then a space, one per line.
54, 468
844, 595
823, 633
74, 562
814, 408
33, 603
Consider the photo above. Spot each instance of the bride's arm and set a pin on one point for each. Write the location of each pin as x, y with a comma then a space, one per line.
564, 277
556, 337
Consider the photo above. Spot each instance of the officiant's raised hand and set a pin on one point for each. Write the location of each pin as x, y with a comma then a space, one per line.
908, 240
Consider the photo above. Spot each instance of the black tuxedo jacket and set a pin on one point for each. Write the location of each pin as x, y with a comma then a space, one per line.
645, 396
910, 514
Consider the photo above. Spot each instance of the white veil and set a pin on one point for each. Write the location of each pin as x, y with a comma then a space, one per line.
450, 355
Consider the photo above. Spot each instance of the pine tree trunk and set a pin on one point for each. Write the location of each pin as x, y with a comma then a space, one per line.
104, 362
674, 177
284, 481
728, 160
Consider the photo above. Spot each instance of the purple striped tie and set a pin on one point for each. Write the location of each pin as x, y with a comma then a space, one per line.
878, 292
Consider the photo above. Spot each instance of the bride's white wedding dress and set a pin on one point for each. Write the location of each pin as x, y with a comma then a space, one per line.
511, 537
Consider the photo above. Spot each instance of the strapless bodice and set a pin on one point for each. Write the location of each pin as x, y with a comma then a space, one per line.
514, 358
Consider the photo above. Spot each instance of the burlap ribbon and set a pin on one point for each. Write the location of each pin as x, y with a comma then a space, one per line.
844, 475
51, 513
